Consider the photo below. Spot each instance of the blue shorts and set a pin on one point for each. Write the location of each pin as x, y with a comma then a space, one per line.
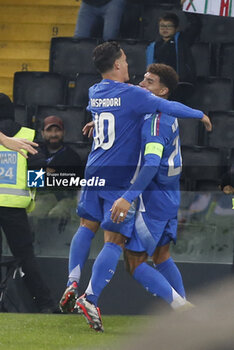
95, 206
151, 233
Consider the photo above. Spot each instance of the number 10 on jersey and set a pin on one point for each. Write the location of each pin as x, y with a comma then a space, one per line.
104, 130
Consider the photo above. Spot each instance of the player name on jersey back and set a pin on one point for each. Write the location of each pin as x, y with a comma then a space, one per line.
106, 102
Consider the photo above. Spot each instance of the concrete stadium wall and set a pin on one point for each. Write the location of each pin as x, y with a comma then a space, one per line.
123, 295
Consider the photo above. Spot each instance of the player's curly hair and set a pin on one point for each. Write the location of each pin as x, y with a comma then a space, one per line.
105, 55
167, 75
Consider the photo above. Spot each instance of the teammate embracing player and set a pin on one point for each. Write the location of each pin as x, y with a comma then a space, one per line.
158, 188
118, 111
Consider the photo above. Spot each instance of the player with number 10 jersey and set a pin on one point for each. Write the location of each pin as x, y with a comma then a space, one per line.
118, 110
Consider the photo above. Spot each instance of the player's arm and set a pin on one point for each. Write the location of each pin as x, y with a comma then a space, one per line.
17, 144
152, 158
176, 109
146, 103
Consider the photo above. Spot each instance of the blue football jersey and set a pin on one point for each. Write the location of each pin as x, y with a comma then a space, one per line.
118, 110
161, 199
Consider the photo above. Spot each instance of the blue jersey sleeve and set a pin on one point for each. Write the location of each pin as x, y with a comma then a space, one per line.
144, 102
155, 136
152, 149
144, 178
179, 110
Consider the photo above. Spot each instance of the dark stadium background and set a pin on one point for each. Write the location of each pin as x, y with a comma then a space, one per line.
46, 71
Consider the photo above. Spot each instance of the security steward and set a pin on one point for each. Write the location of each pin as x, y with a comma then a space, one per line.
15, 200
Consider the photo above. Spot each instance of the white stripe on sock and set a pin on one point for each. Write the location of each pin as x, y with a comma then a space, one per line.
75, 274
89, 289
178, 301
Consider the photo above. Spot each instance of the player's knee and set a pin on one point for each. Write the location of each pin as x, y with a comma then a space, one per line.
159, 260
116, 238
161, 254
133, 260
91, 225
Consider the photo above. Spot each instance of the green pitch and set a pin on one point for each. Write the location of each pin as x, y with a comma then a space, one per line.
64, 332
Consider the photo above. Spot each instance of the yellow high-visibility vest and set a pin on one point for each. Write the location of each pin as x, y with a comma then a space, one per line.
14, 192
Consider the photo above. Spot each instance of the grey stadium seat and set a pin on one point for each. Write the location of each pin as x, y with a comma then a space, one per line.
203, 59
39, 88
81, 89
70, 56
212, 94
226, 61
136, 56
189, 132
222, 134
202, 164
217, 29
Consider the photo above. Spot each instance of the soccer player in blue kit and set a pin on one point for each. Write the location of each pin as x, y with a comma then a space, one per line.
118, 110
158, 188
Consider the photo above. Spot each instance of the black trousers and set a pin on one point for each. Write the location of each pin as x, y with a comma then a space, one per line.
14, 222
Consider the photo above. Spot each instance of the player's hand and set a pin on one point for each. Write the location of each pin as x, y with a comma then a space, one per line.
17, 144
88, 129
120, 210
207, 123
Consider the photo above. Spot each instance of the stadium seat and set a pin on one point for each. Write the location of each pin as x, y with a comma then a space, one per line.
183, 92
69, 56
217, 29
225, 61
136, 55
202, 165
81, 89
83, 150
222, 134
189, 132
74, 119
39, 88
22, 115
202, 56
212, 94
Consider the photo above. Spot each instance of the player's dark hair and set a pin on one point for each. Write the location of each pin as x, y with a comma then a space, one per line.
167, 75
172, 17
105, 55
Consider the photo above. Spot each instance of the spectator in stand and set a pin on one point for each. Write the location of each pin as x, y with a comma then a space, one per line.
55, 156
15, 199
173, 47
91, 11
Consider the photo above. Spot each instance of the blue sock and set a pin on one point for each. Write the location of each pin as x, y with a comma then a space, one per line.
154, 282
171, 272
79, 252
103, 270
